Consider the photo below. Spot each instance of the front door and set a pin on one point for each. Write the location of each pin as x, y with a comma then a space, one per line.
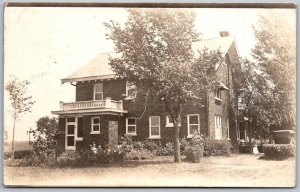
113, 133
70, 133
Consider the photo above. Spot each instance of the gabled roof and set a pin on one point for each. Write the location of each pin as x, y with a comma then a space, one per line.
98, 68
221, 43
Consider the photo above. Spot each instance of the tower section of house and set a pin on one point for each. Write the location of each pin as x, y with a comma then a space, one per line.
105, 109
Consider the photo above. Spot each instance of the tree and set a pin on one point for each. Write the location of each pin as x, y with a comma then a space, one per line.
275, 56
20, 103
156, 54
45, 141
255, 97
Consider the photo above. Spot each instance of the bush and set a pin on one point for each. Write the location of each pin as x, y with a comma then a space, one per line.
167, 150
34, 160
151, 145
193, 154
139, 154
217, 147
278, 151
195, 149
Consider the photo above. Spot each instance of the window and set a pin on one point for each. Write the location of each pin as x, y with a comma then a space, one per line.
218, 127
193, 124
95, 129
154, 127
98, 91
169, 121
131, 126
218, 94
130, 90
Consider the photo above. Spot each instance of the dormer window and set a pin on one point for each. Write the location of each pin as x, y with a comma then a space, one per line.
130, 90
98, 91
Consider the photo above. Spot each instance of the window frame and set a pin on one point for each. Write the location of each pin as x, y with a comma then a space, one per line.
188, 124
168, 124
128, 97
92, 125
94, 92
135, 126
150, 128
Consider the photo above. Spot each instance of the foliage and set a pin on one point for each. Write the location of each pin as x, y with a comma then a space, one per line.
151, 145
275, 56
18, 154
45, 141
194, 154
19, 101
34, 160
139, 154
217, 147
195, 149
278, 151
156, 54
245, 149
166, 150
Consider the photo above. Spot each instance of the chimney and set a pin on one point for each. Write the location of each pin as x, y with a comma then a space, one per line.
224, 33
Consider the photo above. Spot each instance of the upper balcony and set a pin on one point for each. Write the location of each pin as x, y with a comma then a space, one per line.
106, 106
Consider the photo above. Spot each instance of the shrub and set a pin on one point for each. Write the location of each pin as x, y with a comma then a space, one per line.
216, 147
167, 150
193, 154
195, 149
183, 143
151, 145
34, 160
139, 154
278, 151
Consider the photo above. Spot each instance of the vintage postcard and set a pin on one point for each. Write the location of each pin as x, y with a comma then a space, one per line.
133, 95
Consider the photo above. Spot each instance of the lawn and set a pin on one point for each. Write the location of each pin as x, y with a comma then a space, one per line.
236, 170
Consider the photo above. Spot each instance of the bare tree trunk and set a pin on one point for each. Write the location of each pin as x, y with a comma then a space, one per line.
13, 141
176, 142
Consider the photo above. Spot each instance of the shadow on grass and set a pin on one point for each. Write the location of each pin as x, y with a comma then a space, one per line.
273, 158
124, 164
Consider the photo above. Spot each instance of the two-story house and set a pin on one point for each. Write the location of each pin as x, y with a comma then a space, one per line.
104, 109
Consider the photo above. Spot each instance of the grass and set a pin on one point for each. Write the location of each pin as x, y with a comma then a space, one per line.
233, 171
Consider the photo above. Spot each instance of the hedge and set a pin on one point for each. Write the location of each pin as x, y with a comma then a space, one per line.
18, 154
278, 151
217, 147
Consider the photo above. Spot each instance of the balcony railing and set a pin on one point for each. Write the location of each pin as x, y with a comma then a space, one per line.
99, 104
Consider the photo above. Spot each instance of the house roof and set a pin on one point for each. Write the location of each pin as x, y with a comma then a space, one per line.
98, 68
221, 43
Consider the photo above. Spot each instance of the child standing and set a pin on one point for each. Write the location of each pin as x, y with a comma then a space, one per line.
255, 150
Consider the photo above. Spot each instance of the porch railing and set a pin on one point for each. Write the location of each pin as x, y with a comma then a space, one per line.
99, 104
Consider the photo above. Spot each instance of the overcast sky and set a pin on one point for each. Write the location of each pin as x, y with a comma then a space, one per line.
44, 45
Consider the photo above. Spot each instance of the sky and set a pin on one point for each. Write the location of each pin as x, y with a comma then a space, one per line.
44, 45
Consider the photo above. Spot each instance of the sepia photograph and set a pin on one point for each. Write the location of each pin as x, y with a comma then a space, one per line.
149, 96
